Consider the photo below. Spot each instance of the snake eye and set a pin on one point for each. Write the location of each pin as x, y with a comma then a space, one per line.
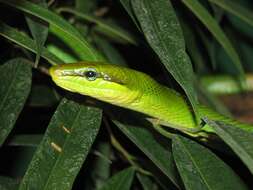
90, 75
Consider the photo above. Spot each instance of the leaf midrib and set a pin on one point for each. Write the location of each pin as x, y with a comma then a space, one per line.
195, 164
10, 87
65, 142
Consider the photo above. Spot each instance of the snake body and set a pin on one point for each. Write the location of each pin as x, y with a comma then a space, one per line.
137, 91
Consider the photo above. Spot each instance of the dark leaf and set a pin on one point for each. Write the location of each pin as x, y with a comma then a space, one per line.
160, 155
120, 181
23, 40
240, 141
161, 28
39, 30
201, 169
15, 86
66, 143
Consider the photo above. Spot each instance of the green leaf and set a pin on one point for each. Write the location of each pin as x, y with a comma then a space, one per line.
211, 24
128, 7
246, 50
201, 169
23, 40
146, 182
161, 28
61, 53
59, 27
211, 100
102, 164
239, 140
65, 145
240, 26
218, 13
85, 6
15, 86
192, 47
25, 140
222, 84
110, 52
159, 154
103, 26
209, 46
120, 181
236, 9
8, 183
77, 47
39, 30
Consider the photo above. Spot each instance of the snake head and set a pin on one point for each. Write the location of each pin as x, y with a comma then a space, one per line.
109, 83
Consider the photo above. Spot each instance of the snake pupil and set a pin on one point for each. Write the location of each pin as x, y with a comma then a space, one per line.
91, 75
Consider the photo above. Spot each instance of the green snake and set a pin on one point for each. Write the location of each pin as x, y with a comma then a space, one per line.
137, 91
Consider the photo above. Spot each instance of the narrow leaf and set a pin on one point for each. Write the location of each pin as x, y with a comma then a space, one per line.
39, 30
223, 84
236, 9
77, 47
128, 7
85, 6
146, 182
239, 140
23, 40
192, 46
61, 53
120, 181
60, 27
212, 25
161, 28
160, 155
25, 140
8, 183
110, 52
211, 100
103, 26
201, 169
15, 86
102, 164
65, 145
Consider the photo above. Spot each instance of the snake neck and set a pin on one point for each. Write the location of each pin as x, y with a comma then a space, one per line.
164, 104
